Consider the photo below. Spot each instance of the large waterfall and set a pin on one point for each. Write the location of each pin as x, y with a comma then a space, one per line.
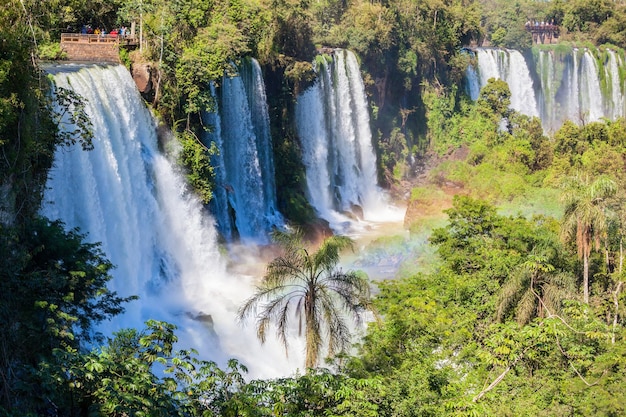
245, 199
128, 196
579, 84
333, 125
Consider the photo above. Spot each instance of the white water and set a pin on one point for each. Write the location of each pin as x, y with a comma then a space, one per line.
577, 93
332, 120
246, 168
128, 196
219, 203
509, 65
473, 82
568, 87
590, 94
617, 103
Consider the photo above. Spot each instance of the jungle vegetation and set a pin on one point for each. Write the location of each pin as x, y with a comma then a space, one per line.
518, 312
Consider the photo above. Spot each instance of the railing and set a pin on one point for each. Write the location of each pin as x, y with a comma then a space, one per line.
98, 39
542, 28
542, 33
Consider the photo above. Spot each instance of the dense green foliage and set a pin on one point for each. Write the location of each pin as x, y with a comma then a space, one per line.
452, 332
52, 291
598, 21
27, 131
195, 156
511, 310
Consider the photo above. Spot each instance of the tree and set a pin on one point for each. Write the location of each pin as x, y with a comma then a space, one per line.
52, 292
461, 243
585, 15
310, 286
140, 374
494, 99
534, 290
585, 216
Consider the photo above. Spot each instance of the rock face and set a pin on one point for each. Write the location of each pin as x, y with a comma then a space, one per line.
142, 74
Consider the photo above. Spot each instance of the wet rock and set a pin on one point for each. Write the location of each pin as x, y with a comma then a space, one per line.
142, 74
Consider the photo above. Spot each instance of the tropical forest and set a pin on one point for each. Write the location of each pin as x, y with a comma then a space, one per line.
312, 208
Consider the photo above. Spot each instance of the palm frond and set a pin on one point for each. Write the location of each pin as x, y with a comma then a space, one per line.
337, 329
262, 326
299, 309
526, 308
603, 187
585, 205
511, 292
283, 269
327, 256
351, 290
290, 241
265, 293
565, 281
278, 311
282, 323
553, 297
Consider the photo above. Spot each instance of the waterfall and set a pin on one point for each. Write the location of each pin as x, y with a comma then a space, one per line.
245, 202
579, 85
130, 197
616, 103
509, 66
473, 82
591, 97
332, 122
219, 203
585, 90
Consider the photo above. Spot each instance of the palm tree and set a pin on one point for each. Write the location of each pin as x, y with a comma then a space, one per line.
534, 290
310, 287
585, 216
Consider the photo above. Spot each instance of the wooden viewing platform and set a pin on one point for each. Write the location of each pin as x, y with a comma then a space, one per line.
100, 38
543, 33
104, 47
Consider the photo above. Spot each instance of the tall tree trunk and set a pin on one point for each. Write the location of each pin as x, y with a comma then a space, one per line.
586, 278
311, 331
616, 304
621, 255
311, 358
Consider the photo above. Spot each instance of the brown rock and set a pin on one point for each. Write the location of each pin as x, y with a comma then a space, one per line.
143, 77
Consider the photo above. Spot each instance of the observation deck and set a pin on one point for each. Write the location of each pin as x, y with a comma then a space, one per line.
543, 33
95, 48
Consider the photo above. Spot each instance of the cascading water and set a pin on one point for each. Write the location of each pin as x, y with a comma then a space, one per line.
510, 66
245, 202
220, 202
473, 83
617, 86
128, 196
579, 85
332, 121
